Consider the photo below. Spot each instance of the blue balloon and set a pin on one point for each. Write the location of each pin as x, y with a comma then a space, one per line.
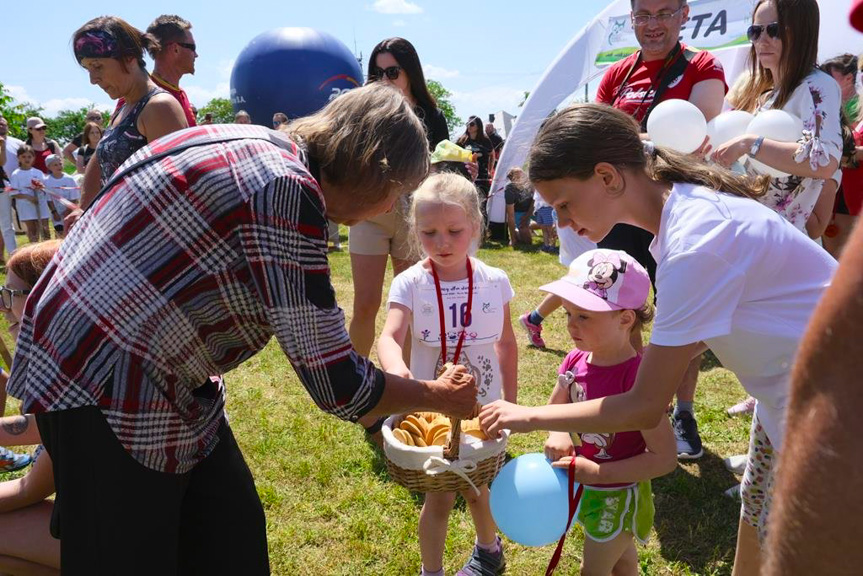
530, 500
291, 70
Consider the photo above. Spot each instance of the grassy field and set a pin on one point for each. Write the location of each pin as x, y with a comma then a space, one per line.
331, 508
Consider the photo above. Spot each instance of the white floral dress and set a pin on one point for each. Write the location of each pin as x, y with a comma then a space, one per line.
817, 102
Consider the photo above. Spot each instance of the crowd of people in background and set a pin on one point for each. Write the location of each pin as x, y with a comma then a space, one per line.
654, 244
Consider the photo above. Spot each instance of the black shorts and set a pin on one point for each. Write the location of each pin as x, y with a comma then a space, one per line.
116, 516
635, 242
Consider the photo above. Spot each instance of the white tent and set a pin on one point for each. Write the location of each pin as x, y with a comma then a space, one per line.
717, 25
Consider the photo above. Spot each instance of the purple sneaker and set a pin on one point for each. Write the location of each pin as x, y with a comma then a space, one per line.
741, 408
534, 331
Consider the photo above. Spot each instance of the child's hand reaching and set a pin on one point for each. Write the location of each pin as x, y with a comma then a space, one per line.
558, 445
586, 471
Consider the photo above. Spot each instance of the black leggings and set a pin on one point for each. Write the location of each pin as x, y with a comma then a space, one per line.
116, 516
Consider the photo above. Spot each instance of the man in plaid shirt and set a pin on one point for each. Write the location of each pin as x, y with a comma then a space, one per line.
206, 244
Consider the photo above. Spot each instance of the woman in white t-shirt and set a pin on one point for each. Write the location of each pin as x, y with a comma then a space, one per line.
732, 275
783, 76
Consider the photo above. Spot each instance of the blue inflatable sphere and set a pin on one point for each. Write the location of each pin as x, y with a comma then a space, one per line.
530, 501
291, 70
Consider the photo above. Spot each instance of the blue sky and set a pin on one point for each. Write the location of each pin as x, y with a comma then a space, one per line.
486, 53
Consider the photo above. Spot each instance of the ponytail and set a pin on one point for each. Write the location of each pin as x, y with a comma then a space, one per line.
574, 141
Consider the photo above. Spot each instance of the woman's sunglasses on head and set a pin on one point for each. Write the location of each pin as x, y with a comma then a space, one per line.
391, 72
754, 31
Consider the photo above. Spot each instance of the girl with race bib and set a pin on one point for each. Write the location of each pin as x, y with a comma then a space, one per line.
457, 309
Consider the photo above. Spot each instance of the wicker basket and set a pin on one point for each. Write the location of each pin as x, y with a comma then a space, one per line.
449, 468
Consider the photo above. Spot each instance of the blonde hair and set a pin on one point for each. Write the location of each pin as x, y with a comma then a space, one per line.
368, 138
453, 190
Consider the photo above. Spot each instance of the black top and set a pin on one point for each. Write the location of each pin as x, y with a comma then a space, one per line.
496, 141
483, 153
85, 152
435, 124
522, 198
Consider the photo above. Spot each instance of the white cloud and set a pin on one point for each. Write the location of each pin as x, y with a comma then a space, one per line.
54, 105
439, 72
486, 100
225, 67
395, 7
399, 23
199, 96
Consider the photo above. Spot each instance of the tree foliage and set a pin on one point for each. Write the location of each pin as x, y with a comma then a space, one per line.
442, 95
220, 108
16, 113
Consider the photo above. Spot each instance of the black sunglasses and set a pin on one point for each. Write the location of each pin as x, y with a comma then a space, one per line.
392, 72
754, 31
6, 295
191, 46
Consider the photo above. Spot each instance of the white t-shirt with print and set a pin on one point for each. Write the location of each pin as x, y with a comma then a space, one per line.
415, 289
738, 276
21, 181
817, 101
65, 187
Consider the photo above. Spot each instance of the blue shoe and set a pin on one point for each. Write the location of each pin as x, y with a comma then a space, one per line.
483, 563
686, 433
10, 461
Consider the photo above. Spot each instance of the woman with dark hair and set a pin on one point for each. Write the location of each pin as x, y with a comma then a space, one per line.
783, 75
112, 52
393, 61
843, 68
475, 140
42, 146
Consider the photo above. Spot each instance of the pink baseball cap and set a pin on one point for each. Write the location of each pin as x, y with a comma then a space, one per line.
603, 280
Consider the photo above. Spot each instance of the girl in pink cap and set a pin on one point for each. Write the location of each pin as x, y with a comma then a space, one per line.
605, 295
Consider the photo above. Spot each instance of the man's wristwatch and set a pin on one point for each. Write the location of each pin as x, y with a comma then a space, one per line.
756, 146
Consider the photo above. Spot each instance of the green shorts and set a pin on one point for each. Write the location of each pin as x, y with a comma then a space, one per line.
603, 513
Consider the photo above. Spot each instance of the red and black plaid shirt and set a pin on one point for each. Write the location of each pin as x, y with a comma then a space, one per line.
185, 268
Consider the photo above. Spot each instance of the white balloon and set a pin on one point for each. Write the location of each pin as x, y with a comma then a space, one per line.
727, 126
776, 125
677, 124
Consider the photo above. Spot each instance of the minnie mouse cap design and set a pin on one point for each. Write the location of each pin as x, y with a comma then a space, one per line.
602, 281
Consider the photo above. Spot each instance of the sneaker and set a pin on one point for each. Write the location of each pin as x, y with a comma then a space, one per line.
484, 563
534, 331
745, 407
736, 463
733, 492
686, 434
10, 461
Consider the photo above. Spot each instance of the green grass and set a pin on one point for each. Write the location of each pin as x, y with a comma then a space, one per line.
331, 508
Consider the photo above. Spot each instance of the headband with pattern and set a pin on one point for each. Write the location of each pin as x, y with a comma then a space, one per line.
96, 44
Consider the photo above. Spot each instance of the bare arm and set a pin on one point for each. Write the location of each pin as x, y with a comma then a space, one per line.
510, 219
19, 431
34, 487
778, 155
507, 354
69, 152
392, 340
708, 96
162, 115
79, 164
92, 180
817, 502
659, 459
641, 408
822, 213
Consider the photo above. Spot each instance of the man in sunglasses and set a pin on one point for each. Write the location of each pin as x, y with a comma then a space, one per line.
663, 69
174, 58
